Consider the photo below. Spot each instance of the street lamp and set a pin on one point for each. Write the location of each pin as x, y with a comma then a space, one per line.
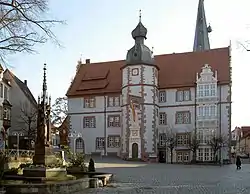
74, 136
17, 134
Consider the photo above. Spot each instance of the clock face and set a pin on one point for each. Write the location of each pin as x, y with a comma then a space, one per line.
135, 71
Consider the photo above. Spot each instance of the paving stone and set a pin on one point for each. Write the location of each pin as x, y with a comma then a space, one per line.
174, 179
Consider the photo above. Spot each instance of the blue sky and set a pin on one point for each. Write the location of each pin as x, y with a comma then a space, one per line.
101, 30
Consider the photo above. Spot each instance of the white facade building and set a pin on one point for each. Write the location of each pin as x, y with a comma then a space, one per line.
131, 108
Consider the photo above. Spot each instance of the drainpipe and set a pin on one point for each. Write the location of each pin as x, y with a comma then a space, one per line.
105, 125
195, 120
220, 122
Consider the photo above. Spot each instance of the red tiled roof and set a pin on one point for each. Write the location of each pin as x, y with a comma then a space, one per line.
176, 70
245, 131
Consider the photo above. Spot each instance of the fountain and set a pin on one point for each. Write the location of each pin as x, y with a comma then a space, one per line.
46, 174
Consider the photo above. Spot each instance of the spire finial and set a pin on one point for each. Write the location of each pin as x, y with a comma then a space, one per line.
140, 15
44, 81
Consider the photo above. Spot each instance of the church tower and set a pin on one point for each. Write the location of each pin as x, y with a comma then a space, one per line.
139, 99
201, 38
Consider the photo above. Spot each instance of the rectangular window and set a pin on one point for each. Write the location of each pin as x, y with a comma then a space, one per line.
114, 121
162, 96
182, 139
183, 117
200, 136
186, 95
206, 90
200, 154
206, 154
213, 90
89, 102
1, 112
200, 91
162, 139
114, 141
162, 118
1, 90
186, 157
213, 111
206, 111
99, 143
5, 93
113, 101
200, 111
179, 157
183, 95
89, 122
179, 96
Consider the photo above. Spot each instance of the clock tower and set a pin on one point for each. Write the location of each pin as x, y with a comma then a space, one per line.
139, 99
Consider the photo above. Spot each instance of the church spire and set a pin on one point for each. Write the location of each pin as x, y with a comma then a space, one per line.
201, 39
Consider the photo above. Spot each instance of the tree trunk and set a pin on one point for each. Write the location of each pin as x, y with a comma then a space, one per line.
171, 152
194, 155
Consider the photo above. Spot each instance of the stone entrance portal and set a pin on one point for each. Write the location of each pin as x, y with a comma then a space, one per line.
134, 150
79, 147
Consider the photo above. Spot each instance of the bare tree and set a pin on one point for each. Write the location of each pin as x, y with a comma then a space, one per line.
244, 45
216, 142
59, 110
24, 24
28, 119
171, 141
194, 144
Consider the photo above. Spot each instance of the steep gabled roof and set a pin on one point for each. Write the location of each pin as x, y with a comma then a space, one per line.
176, 70
23, 87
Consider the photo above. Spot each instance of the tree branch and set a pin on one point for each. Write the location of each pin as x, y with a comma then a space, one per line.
23, 25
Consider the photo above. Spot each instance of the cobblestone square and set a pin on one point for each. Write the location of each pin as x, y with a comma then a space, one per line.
136, 177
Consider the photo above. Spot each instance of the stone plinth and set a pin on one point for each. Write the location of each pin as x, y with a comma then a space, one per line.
71, 186
44, 172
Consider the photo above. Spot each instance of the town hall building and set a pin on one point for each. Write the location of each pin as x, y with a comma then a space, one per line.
135, 108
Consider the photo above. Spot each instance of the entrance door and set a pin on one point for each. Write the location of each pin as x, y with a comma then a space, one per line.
134, 150
162, 156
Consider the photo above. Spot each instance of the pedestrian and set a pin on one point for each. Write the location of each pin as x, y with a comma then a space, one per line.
238, 163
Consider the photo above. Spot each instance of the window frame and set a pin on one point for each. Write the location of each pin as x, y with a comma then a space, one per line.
162, 96
112, 101
112, 143
180, 117
89, 102
162, 121
100, 143
180, 95
89, 119
115, 124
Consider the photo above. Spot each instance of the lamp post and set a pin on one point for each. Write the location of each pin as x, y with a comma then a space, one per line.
74, 136
17, 134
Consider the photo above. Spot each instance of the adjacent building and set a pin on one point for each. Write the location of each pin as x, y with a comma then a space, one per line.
241, 135
23, 112
132, 107
5, 113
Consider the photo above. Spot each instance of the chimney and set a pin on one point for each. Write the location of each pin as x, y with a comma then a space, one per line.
25, 82
87, 61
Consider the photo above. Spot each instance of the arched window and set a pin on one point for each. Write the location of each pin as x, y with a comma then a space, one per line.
79, 143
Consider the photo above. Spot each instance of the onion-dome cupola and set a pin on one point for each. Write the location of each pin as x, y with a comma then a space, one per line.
139, 53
